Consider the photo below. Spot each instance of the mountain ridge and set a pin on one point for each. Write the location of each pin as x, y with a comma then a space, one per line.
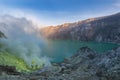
106, 28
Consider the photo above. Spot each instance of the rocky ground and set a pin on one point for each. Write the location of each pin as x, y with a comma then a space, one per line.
84, 65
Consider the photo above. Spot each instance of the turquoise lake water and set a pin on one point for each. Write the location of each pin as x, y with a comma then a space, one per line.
57, 50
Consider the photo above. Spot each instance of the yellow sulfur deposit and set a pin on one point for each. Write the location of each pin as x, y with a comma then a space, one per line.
12, 60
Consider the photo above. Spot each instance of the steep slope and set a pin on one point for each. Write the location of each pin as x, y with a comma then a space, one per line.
2, 35
99, 29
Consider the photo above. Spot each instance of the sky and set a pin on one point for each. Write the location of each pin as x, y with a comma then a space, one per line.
54, 12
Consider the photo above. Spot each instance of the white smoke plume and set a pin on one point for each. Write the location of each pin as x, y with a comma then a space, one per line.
23, 40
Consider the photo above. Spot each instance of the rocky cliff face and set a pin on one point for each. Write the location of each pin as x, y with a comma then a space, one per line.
2, 35
95, 29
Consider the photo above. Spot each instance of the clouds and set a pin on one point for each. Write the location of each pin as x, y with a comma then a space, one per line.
117, 3
39, 19
55, 12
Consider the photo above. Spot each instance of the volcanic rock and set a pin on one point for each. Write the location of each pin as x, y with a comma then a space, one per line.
2, 35
84, 65
99, 29
10, 70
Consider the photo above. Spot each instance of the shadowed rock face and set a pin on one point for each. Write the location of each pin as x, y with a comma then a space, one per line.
95, 29
2, 35
11, 70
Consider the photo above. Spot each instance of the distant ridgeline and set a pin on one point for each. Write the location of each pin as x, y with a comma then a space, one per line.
99, 29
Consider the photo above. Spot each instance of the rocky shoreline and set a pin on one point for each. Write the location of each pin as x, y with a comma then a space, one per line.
84, 65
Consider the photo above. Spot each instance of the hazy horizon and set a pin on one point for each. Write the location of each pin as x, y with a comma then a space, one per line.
56, 12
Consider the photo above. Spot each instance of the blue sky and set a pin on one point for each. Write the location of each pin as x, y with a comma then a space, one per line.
53, 12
